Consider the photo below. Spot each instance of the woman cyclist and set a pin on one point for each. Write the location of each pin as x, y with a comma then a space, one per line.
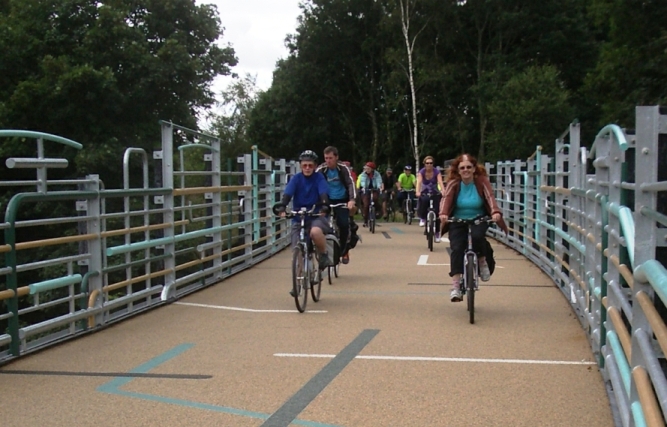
468, 195
429, 184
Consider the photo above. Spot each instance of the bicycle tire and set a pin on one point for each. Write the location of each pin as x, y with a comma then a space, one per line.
329, 274
470, 286
405, 211
335, 269
316, 285
371, 220
430, 234
300, 275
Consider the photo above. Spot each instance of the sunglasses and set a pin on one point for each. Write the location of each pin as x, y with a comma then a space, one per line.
462, 168
307, 166
428, 163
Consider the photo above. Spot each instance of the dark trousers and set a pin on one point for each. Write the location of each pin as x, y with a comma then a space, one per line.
458, 241
424, 204
343, 222
402, 195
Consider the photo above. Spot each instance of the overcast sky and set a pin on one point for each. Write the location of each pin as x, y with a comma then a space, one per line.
256, 29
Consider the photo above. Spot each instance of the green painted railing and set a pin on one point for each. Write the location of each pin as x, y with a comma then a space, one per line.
126, 250
607, 257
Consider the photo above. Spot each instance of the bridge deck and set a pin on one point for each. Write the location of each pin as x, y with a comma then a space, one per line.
384, 347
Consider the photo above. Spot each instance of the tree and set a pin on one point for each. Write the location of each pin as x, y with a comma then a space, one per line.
104, 73
231, 125
529, 110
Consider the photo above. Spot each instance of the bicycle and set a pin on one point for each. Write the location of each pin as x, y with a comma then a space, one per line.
431, 217
470, 264
336, 232
408, 210
306, 273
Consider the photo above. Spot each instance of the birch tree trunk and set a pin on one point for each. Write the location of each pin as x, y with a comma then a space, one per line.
409, 47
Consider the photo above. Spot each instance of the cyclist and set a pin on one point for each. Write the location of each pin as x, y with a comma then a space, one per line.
306, 189
389, 183
406, 181
370, 183
468, 195
341, 190
429, 184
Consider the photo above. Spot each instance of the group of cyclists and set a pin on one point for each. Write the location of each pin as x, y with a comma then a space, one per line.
465, 193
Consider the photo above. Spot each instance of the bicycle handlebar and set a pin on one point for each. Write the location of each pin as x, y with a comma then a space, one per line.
291, 214
473, 221
339, 205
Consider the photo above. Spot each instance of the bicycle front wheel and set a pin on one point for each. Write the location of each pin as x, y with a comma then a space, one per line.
371, 220
470, 286
406, 209
300, 275
429, 234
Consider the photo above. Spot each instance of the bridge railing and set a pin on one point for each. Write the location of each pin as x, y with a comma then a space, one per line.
595, 221
87, 256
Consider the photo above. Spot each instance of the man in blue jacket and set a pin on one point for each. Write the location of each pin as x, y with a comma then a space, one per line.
305, 190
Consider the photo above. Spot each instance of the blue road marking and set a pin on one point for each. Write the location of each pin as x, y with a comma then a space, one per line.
113, 387
396, 230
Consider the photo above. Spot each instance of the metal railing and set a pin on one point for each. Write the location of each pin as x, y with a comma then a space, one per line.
595, 222
111, 253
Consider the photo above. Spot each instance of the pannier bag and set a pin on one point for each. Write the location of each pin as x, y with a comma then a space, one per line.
333, 249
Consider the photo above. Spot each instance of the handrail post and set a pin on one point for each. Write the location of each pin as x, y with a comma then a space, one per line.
647, 163
168, 205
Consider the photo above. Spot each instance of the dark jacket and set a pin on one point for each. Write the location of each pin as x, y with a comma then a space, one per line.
484, 190
345, 176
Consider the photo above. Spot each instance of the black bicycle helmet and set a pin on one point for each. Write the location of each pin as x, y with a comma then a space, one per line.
308, 155
408, 168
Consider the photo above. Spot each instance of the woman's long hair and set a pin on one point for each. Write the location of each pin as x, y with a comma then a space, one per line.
453, 171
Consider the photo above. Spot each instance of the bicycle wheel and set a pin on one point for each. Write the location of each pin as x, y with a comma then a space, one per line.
316, 280
371, 220
335, 269
300, 276
329, 274
470, 285
430, 234
406, 209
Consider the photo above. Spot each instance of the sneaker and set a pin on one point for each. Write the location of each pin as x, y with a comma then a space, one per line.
455, 294
323, 260
422, 223
345, 259
484, 272
365, 224
437, 238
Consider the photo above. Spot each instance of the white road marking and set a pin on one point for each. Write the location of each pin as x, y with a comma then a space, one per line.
445, 359
247, 310
423, 260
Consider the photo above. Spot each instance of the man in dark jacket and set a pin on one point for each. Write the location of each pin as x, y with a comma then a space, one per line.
341, 190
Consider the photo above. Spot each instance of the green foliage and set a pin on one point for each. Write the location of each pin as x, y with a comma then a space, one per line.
632, 66
346, 80
104, 73
530, 109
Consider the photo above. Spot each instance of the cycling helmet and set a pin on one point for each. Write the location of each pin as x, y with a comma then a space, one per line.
346, 163
371, 165
308, 155
408, 168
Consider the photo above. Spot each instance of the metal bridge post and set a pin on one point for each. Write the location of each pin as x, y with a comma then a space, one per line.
167, 202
